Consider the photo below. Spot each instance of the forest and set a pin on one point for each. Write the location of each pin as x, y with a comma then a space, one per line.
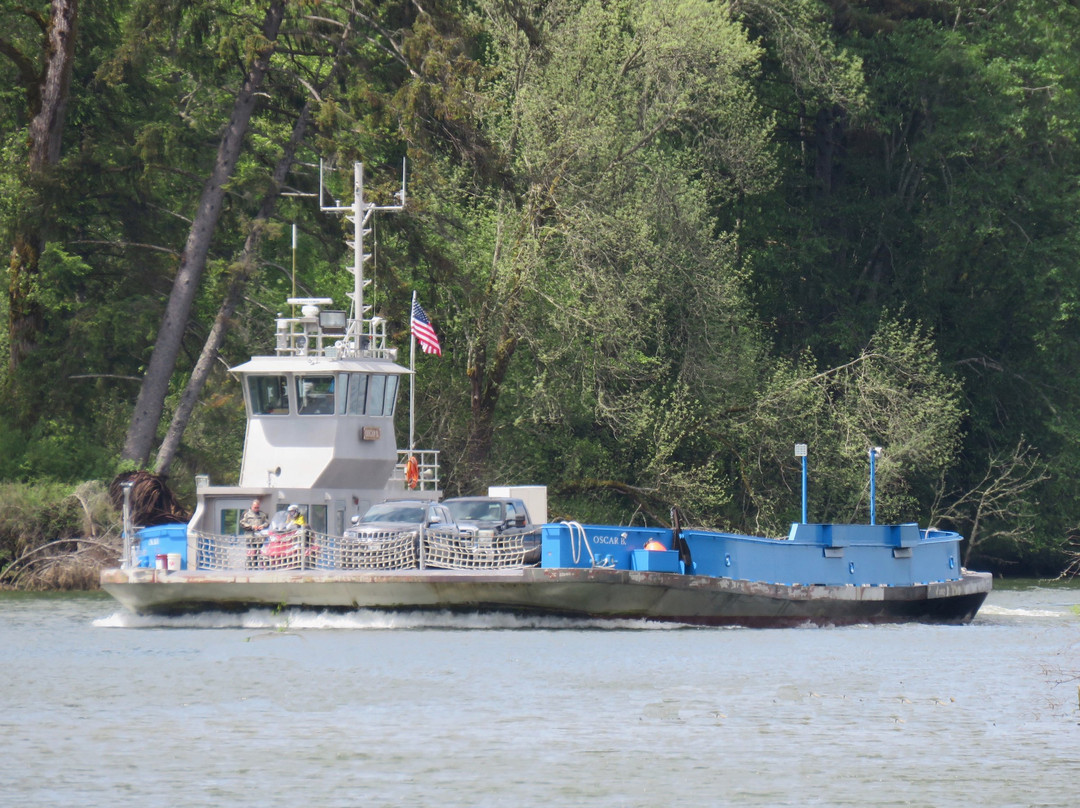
661, 241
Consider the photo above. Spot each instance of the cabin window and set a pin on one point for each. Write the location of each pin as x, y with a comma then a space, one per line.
381, 394
357, 393
230, 521
317, 518
268, 395
376, 394
390, 395
315, 395
314, 516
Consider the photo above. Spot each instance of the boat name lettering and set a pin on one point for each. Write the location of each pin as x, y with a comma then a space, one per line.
370, 433
609, 540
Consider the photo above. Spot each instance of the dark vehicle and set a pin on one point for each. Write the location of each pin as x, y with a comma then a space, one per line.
486, 517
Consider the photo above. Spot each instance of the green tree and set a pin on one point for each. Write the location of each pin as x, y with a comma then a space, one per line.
142, 433
41, 66
894, 394
951, 196
607, 128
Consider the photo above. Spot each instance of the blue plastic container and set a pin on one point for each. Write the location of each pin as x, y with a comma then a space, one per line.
655, 560
162, 540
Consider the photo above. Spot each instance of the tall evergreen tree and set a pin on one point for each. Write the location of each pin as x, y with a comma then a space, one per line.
150, 404
42, 69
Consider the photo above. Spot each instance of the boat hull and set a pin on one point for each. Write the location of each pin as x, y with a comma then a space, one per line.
582, 593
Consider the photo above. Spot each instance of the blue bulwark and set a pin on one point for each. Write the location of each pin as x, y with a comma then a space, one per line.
564, 545
905, 535
831, 555
834, 555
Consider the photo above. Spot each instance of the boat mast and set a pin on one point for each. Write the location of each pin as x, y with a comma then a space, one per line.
359, 213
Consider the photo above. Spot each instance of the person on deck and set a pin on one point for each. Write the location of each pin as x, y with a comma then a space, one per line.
254, 518
253, 522
296, 519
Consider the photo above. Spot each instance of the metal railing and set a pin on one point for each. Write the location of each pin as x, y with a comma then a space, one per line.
427, 461
459, 553
309, 550
305, 336
387, 551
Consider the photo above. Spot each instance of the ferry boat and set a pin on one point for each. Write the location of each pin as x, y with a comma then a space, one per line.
320, 435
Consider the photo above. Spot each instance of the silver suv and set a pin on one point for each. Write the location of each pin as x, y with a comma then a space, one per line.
401, 516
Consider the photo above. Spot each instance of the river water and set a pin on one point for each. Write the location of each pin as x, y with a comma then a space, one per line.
101, 708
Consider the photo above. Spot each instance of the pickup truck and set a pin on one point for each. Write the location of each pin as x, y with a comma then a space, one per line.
496, 516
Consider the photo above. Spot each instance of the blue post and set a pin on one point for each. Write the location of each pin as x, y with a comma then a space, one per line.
874, 452
804, 489
800, 451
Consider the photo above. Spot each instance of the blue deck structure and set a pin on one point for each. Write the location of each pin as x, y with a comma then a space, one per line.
826, 554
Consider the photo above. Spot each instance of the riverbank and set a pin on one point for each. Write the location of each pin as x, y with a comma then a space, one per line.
61, 565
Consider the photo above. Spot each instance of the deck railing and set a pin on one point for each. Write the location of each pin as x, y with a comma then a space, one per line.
309, 550
459, 553
427, 461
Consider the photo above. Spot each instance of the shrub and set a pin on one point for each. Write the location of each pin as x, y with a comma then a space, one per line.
56, 536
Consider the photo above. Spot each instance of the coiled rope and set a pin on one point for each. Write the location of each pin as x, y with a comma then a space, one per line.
577, 539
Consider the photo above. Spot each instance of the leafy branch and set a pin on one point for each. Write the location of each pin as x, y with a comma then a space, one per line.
999, 506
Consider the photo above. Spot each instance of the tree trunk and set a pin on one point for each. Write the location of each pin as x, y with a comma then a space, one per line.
486, 380
487, 375
155, 386
47, 96
242, 272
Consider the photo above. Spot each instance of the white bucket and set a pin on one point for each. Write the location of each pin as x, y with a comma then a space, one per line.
174, 561
161, 561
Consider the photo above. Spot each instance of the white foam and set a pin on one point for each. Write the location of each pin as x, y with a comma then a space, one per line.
1001, 611
368, 620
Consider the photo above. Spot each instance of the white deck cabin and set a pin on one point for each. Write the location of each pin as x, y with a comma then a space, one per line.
320, 426
320, 411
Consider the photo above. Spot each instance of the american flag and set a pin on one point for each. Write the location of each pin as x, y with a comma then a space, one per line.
424, 332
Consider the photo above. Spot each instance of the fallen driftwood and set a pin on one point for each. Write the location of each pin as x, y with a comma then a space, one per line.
152, 501
64, 564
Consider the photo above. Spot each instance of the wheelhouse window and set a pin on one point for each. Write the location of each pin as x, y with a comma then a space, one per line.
390, 395
357, 393
315, 395
375, 394
381, 394
269, 395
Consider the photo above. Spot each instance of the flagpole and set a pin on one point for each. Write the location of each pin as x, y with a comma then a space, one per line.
412, 378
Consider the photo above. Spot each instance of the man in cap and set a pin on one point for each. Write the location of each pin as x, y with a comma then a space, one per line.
252, 522
254, 518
